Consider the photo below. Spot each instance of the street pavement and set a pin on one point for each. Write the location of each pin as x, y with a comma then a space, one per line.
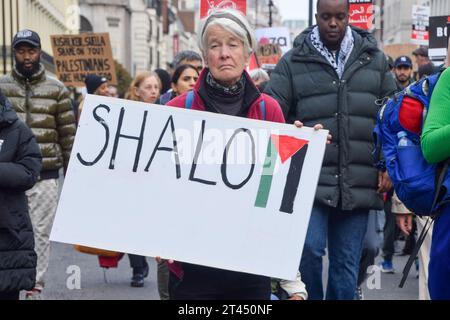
114, 284
96, 283
65, 263
389, 289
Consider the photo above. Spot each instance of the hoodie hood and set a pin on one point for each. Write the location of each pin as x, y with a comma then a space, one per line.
364, 41
7, 115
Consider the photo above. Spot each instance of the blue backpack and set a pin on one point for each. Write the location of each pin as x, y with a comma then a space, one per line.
421, 186
190, 102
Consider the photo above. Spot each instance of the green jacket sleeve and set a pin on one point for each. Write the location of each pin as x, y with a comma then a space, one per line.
66, 125
436, 132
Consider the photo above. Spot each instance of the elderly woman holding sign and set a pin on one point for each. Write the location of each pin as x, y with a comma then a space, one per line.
227, 41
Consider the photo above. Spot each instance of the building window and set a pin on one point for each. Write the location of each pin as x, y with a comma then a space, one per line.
158, 60
151, 56
85, 25
150, 30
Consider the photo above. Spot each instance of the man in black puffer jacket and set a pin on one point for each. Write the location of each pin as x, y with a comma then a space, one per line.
20, 164
334, 76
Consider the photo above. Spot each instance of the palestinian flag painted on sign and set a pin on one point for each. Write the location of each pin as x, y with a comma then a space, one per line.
287, 148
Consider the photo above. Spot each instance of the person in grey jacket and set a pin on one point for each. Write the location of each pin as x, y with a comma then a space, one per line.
20, 164
334, 75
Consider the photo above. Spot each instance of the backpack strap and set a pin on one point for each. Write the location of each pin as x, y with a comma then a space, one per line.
415, 251
189, 100
380, 162
441, 173
263, 109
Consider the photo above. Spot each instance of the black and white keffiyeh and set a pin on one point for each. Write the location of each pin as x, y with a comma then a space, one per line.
347, 45
234, 90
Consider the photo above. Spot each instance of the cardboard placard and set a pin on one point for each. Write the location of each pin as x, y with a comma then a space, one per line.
76, 56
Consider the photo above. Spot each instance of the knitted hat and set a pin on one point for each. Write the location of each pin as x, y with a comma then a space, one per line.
93, 82
234, 20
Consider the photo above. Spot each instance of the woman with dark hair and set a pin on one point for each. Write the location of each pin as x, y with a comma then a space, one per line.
183, 80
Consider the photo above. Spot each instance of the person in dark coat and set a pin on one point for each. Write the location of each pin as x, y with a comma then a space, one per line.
20, 164
334, 75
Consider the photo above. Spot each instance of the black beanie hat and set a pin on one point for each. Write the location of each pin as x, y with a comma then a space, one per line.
93, 82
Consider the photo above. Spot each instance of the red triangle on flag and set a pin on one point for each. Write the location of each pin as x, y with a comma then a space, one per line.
288, 146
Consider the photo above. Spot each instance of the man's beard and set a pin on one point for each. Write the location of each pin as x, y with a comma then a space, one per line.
28, 73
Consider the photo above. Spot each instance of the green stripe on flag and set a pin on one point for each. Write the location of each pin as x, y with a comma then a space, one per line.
267, 176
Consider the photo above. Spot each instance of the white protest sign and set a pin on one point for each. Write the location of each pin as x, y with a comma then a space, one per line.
277, 36
420, 25
197, 187
438, 38
273, 43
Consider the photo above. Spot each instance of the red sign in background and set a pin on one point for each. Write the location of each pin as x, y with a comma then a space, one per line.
207, 5
420, 25
362, 14
420, 35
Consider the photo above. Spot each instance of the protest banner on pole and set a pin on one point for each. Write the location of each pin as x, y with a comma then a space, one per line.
278, 36
420, 25
273, 43
207, 5
197, 187
268, 55
362, 14
438, 38
76, 56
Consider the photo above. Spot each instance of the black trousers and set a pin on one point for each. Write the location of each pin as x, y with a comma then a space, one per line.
372, 244
203, 283
390, 231
138, 263
9, 296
